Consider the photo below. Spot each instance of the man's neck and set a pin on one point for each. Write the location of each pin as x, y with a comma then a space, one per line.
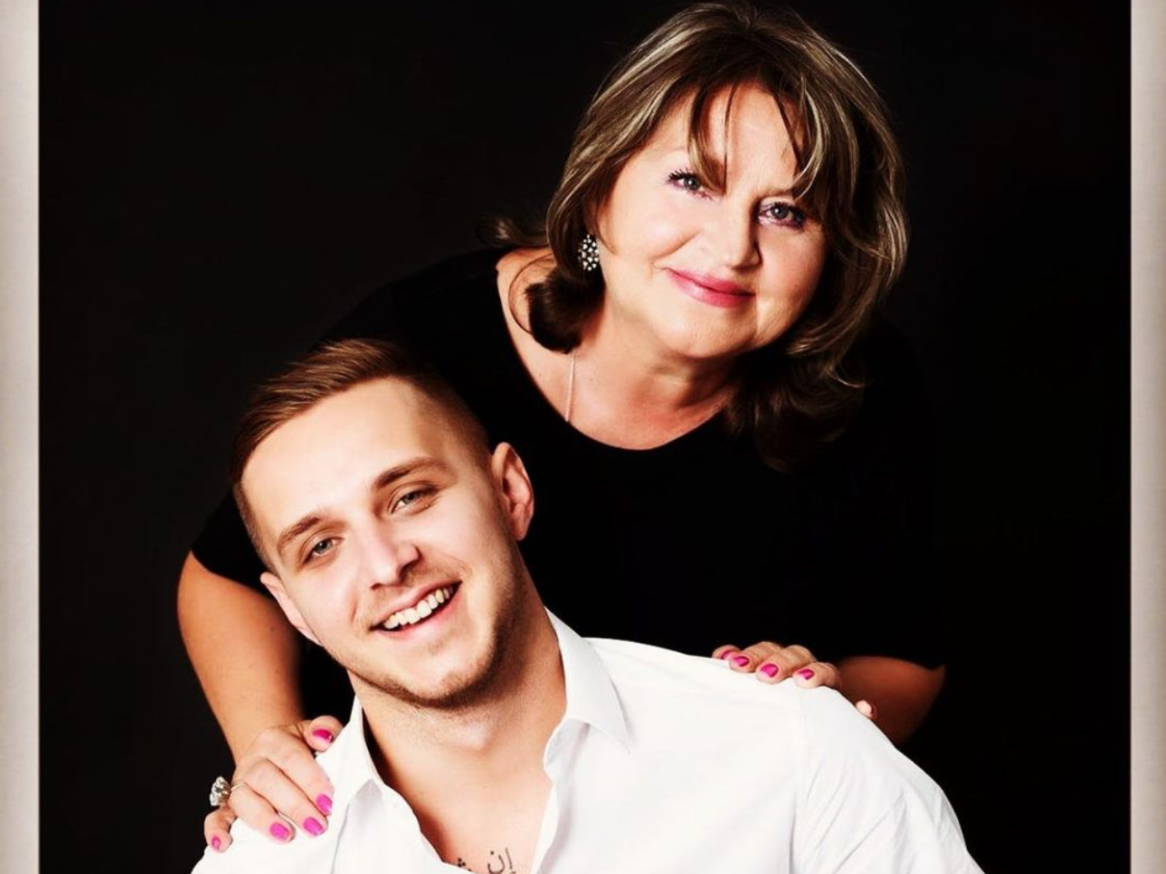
474, 774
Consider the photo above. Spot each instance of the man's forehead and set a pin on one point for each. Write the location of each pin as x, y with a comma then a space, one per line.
341, 441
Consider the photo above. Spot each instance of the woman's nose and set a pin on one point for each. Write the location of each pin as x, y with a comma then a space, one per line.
733, 236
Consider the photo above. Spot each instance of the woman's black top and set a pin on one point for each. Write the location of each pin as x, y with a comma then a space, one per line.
689, 545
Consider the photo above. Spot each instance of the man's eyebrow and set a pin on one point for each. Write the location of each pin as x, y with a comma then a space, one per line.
386, 478
293, 531
421, 464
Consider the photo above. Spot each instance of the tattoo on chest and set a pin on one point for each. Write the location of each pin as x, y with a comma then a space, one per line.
498, 863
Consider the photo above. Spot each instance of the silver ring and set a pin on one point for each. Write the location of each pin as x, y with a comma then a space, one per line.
221, 791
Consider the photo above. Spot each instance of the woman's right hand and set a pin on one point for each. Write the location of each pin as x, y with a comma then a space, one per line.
277, 782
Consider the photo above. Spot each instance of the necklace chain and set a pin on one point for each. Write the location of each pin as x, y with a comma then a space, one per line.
570, 390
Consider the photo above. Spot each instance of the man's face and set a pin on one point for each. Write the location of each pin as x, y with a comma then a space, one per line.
394, 542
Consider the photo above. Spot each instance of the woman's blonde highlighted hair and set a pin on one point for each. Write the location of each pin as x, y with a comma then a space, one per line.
802, 389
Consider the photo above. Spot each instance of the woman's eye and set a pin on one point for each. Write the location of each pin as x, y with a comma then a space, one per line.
783, 214
687, 181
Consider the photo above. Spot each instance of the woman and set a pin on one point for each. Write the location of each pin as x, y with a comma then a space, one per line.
677, 356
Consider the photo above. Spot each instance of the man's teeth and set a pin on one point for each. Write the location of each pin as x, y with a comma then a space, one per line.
421, 610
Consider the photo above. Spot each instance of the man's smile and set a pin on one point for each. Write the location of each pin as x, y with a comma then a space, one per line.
425, 606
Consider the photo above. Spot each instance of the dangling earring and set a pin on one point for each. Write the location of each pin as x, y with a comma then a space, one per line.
589, 253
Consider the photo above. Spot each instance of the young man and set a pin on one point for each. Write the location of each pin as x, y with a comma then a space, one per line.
486, 734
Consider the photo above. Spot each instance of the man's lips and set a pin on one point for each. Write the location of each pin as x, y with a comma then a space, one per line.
710, 289
417, 604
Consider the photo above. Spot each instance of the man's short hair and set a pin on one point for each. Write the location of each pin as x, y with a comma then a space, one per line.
331, 369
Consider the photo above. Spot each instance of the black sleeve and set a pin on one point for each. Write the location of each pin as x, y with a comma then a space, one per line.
875, 551
224, 548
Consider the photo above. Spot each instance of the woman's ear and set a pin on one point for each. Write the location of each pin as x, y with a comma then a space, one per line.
275, 586
514, 488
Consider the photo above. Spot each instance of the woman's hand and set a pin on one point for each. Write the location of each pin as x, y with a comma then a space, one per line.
277, 782
771, 663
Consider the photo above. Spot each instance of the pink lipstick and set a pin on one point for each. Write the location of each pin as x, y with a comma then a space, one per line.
710, 290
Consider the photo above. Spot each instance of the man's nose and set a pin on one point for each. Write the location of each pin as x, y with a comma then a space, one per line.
388, 555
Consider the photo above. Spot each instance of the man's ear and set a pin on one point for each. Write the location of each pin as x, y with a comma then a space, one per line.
275, 586
514, 488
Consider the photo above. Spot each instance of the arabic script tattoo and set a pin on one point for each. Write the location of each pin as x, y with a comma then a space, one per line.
504, 865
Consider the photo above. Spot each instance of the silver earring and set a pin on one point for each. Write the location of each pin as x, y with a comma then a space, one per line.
589, 253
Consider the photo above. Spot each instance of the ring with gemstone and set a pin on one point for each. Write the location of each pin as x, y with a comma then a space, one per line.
221, 791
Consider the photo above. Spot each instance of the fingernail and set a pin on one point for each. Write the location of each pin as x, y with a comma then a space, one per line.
741, 661
216, 842
313, 827
280, 831
324, 735
769, 670
805, 673
325, 804
728, 655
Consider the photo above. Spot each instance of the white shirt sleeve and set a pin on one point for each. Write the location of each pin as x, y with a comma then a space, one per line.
866, 807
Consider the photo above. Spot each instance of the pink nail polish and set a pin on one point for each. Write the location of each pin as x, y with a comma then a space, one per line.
324, 735
805, 673
741, 661
769, 670
728, 654
312, 826
280, 831
325, 804
216, 842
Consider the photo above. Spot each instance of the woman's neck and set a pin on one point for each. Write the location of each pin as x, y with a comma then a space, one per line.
631, 393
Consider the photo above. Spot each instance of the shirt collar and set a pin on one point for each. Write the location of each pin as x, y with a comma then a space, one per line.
591, 700
591, 697
351, 763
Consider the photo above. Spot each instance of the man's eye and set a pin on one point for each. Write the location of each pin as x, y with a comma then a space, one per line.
413, 499
321, 547
686, 180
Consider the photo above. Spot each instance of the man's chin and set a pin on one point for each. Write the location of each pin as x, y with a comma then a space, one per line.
453, 690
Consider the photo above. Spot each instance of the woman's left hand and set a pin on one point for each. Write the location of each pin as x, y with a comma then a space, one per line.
771, 663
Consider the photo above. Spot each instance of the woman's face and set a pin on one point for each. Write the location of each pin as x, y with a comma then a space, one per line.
702, 274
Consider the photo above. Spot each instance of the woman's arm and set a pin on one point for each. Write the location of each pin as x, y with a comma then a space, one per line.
246, 656
244, 651
900, 691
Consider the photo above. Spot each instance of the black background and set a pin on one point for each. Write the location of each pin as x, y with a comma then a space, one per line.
220, 181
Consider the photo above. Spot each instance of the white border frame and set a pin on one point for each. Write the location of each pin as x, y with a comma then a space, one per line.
19, 456
1147, 438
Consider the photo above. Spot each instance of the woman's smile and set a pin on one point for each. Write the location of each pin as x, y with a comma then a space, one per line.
707, 289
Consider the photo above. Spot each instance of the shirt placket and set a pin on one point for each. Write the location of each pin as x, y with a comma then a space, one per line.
555, 761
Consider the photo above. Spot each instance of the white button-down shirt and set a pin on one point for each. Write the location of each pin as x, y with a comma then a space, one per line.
662, 763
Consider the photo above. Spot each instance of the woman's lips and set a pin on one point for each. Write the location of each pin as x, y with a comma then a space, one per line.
707, 289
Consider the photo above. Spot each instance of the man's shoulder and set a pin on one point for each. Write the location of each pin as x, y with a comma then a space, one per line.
695, 695
672, 682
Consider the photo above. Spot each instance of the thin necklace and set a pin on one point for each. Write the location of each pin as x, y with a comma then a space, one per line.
570, 390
